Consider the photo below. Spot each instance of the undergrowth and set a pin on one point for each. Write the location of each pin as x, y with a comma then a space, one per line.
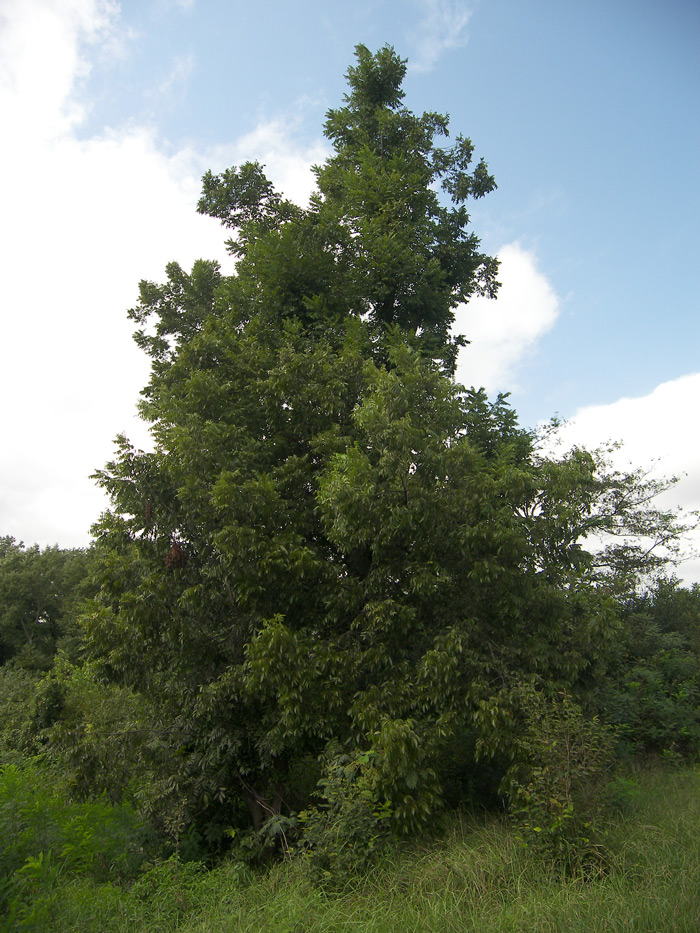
478, 877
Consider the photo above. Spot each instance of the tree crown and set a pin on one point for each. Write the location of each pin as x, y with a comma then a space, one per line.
376, 242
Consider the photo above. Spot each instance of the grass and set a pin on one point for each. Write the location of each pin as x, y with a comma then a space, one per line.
477, 878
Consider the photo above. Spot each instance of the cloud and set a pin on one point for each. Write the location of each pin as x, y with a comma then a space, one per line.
657, 432
287, 163
83, 221
442, 28
47, 37
504, 332
184, 5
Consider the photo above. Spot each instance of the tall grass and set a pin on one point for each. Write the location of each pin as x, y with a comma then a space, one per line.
477, 878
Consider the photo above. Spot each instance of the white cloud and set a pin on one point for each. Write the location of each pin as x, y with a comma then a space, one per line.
40, 38
184, 5
86, 221
658, 431
442, 28
288, 165
504, 331
82, 222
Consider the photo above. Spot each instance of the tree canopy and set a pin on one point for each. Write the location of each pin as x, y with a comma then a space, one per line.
39, 595
334, 548
377, 242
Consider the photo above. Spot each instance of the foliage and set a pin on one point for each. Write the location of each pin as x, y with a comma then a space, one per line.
45, 840
101, 738
333, 545
476, 878
651, 691
39, 595
351, 827
376, 241
558, 781
18, 737
169, 887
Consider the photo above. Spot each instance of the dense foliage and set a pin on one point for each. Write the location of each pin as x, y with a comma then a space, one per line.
39, 594
343, 592
333, 545
651, 693
46, 840
81, 868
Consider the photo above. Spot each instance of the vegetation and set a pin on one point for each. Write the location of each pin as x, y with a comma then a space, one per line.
39, 592
345, 605
476, 877
334, 549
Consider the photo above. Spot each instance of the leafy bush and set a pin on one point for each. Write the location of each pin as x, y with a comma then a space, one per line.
18, 739
352, 825
557, 784
100, 737
169, 886
651, 694
45, 841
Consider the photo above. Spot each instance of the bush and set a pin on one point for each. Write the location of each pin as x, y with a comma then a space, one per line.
18, 739
352, 825
652, 692
45, 841
558, 782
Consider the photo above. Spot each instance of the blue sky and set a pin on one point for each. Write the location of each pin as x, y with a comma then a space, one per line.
588, 113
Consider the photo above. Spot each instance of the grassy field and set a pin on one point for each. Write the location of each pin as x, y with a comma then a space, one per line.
476, 878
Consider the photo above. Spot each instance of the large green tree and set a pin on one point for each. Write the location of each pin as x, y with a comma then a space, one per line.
332, 544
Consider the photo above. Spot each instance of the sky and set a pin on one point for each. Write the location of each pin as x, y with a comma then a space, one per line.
587, 112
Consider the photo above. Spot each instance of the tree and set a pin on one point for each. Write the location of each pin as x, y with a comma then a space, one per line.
376, 241
333, 545
651, 689
39, 594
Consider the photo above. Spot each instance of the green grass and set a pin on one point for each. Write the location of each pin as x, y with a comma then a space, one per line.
478, 878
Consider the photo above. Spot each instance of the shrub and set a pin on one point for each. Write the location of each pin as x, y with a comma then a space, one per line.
45, 840
351, 825
557, 783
